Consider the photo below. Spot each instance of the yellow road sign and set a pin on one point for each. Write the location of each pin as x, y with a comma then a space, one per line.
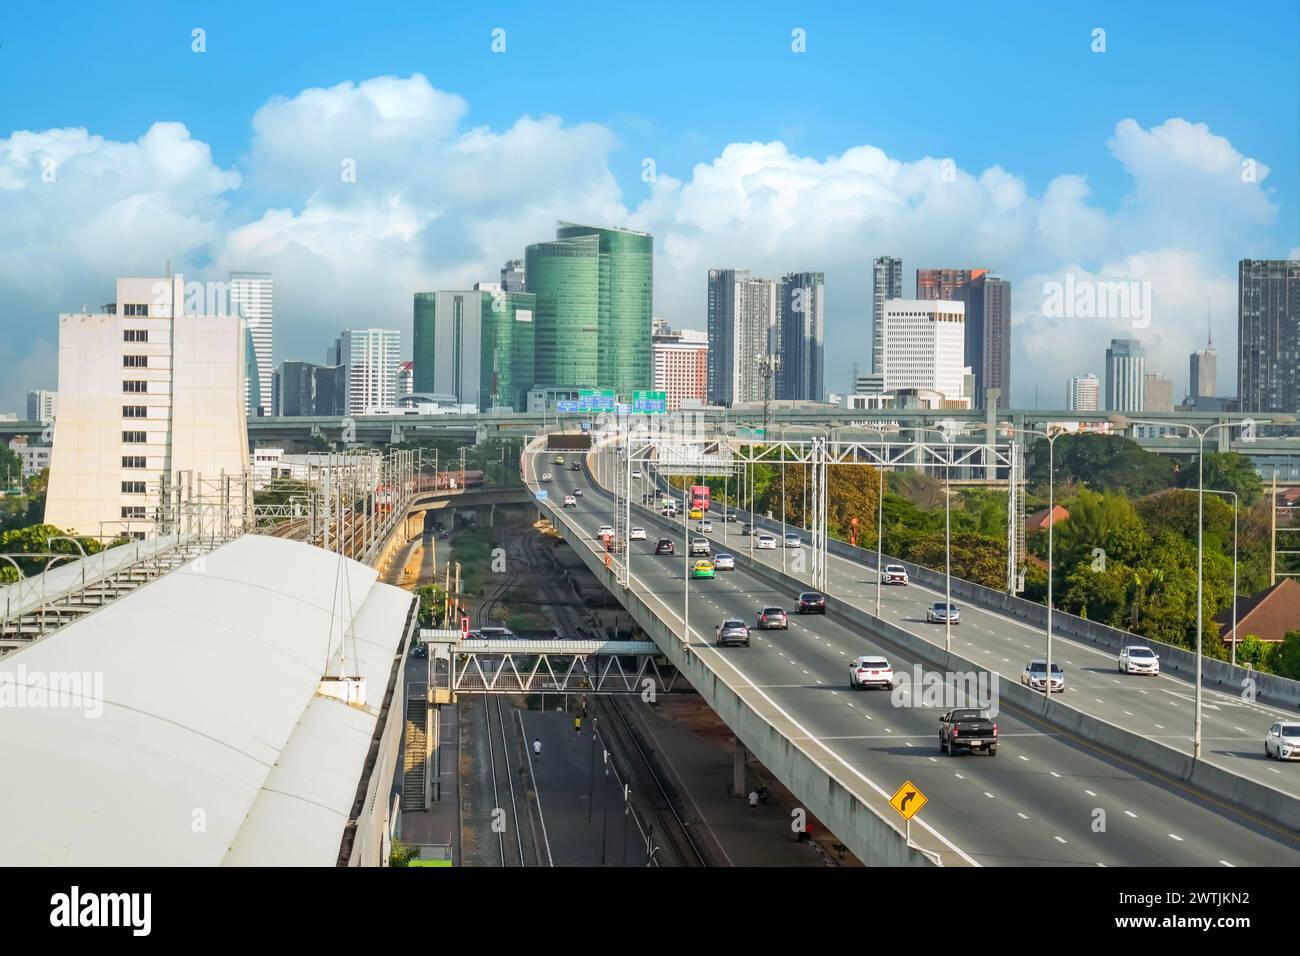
908, 800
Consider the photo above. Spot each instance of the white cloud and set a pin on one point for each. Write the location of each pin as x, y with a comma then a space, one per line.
437, 203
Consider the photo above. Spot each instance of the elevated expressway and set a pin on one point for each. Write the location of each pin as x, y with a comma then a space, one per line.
1036, 803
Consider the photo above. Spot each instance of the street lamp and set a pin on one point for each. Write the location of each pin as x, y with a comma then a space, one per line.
947, 533
1051, 535
1200, 433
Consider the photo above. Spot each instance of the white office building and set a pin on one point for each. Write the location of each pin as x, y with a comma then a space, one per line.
252, 297
1125, 376
923, 347
42, 405
148, 397
1082, 394
34, 457
372, 358
741, 331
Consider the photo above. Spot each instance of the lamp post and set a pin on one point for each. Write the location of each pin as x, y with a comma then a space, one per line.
1200, 434
947, 533
1051, 536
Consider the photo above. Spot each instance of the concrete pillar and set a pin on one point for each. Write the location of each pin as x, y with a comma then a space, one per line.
738, 758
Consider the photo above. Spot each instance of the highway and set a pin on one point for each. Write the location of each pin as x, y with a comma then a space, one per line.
1160, 708
1034, 803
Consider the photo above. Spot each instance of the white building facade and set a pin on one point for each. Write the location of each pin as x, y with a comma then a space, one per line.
371, 357
1082, 394
42, 405
923, 347
149, 398
252, 297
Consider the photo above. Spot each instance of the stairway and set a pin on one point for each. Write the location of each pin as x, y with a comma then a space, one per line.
415, 759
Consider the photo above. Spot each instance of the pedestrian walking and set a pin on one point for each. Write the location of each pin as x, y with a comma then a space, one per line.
577, 725
753, 802
537, 749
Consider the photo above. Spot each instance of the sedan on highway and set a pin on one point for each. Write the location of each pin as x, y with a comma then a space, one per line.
576, 466
577, 492
665, 546
766, 542
570, 501
792, 540
696, 514
1138, 660
772, 618
605, 531
546, 476
559, 459
705, 527
731, 632
939, 612
702, 569
724, 562
1035, 676
636, 534
894, 574
812, 602
871, 672
746, 528
730, 516
636, 473
1283, 741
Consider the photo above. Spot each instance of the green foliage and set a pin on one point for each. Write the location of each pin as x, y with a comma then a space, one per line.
1228, 471
1106, 462
11, 468
1175, 512
1107, 521
33, 539
1286, 656
432, 601
400, 854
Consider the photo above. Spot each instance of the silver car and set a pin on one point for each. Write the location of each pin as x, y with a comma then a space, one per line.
731, 632
939, 613
1138, 659
724, 562
792, 540
1035, 676
1283, 741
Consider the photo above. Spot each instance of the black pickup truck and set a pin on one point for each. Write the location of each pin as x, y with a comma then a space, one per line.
969, 728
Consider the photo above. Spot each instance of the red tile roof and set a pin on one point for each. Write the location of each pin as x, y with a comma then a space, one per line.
1269, 615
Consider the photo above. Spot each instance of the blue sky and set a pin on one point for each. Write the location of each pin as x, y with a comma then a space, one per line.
1008, 85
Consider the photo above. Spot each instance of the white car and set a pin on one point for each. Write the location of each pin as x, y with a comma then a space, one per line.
940, 613
1138, 659
1283, 741
636, 534
605, 531
792, 540
871, 672
637, 473
724, 562
894, 574
766, 542
705, 527
1035, 676
570, 501
546, 476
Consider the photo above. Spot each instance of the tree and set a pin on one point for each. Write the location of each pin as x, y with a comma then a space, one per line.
1286, 656
1175, 511
1100, 595
1105, 521
1227, 471
34, 539
1106, 462
11, 468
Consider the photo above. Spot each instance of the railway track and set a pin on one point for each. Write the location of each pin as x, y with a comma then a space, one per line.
671, 835
510, 836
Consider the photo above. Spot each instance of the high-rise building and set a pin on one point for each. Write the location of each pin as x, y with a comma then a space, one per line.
924, 346
371, 357
1125, 376
1202, 378
1268, 335
146, 393
741, 326
987, 299
887, 283
681, 366
478, 345
307, 389
405, 378
564, 277
1081, 394
252, 297
41, 405
512, 276
1158, 393
801, 337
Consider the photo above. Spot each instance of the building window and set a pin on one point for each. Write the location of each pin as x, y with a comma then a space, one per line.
133, 487
135, 335
132, 309
133, 511
134, 411
135, 386
135, 361
133, 461
134, 438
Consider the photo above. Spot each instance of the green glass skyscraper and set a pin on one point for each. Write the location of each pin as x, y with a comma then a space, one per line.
477, 345
594, 292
